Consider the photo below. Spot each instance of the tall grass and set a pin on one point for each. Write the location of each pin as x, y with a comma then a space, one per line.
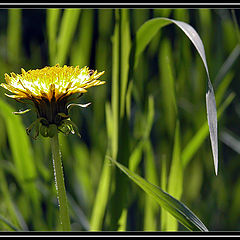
144, 161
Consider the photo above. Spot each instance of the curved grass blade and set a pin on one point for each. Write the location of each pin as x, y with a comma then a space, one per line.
145, 34
169, 203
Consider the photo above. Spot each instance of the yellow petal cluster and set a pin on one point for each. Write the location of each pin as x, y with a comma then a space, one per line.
52, 83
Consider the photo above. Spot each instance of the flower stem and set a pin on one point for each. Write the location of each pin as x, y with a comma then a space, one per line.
59, 181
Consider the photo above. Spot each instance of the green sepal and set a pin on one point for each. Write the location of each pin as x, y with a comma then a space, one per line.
52, 130
67, 127
44, 130
36, 125
64, 115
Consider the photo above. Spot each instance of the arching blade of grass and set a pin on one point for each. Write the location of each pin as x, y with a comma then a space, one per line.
172, 205
145, 34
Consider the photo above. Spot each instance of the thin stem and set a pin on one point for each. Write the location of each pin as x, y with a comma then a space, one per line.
59, 181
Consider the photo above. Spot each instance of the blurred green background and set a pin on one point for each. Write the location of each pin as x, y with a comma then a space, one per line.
169, 85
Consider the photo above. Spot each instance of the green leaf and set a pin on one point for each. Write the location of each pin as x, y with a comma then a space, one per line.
172, 205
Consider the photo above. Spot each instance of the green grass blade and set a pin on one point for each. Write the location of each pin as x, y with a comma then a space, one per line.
176, 175
115, 85
125, 53
167, 87
150, 117
100, 204
151, 209
66, 33
175, 180
14, 32
164, 214
172, 205
52, 19
135, 156
82, 48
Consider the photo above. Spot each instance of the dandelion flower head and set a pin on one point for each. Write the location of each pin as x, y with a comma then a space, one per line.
51, 89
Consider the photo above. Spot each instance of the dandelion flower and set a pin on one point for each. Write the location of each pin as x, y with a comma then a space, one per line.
50, 90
